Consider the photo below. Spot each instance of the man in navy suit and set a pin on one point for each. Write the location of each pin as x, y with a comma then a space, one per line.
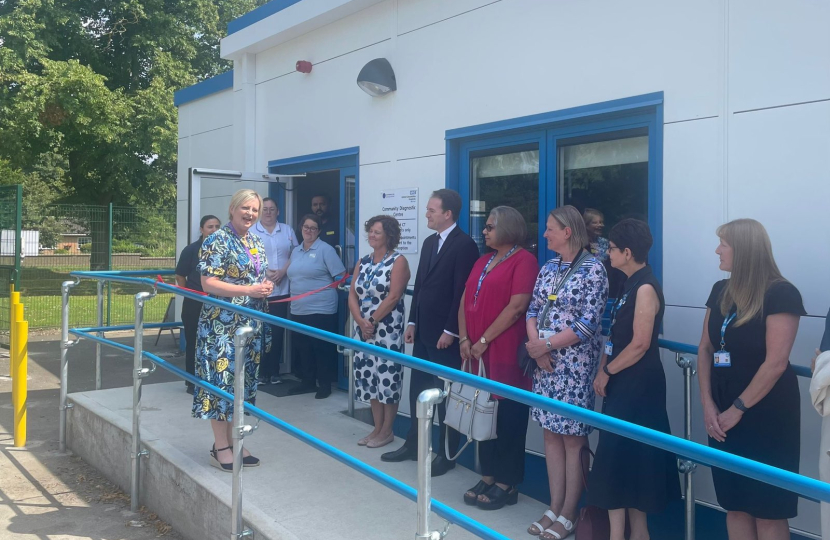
447, 258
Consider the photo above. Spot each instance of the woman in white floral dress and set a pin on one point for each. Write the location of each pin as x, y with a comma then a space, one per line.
564, 328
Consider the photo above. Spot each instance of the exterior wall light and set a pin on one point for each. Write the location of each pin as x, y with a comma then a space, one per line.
377, 78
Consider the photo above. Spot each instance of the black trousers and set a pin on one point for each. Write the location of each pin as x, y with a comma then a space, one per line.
190, 320
420, 381
317, 358
504, 457
271, 360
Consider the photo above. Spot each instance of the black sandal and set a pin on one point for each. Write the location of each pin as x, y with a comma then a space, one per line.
227, 467
477, 490
498, 497
248, 461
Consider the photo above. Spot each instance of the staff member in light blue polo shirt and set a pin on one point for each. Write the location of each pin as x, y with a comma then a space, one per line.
314, 264
279, 240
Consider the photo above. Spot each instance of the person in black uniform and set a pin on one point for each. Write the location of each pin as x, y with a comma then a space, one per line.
187, 275
446, 260
330, 230
629, 475
749, 391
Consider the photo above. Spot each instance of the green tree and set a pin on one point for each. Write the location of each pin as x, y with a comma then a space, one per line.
86, 96
92, 81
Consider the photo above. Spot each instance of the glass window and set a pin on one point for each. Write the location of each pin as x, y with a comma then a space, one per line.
609, 179
508, 178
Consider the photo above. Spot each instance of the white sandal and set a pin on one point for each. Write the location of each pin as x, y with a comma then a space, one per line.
550, 515
566, 523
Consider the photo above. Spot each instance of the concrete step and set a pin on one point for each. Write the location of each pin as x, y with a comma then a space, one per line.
297, 492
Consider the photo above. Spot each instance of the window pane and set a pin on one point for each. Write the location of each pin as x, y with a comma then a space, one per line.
508, 179
349, 251
609, 176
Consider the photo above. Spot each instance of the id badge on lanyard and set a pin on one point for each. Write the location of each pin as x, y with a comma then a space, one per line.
722, 357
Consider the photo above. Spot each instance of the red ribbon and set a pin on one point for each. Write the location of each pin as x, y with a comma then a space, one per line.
309, 293
161, 279
289, 299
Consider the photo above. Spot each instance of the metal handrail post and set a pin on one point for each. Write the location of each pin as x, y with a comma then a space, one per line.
424, 409
685, 466
100, 323
139, 372
64, 374
348, 354
241, 339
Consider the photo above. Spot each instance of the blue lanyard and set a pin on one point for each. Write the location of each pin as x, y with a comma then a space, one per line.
619, 304
723, 329
484, 271
373, 268
254, 258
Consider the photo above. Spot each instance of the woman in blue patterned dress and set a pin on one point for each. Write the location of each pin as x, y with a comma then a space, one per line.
233, 265
376, 304
563, 327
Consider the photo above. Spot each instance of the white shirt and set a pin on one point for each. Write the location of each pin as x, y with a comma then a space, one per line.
278, 246
442, 236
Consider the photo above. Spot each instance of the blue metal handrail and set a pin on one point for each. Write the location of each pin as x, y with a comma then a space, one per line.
675, 346
450, 514
693, 451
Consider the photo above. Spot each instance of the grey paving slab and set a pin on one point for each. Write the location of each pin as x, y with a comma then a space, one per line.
300, 489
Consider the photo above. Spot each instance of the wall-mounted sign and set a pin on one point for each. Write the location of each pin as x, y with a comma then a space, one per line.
402, 204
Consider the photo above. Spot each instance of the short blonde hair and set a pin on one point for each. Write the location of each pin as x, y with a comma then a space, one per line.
241, 197
568, 216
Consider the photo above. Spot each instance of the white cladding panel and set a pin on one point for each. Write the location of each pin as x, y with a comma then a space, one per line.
692, 200
468, 62
779, 52
779, 175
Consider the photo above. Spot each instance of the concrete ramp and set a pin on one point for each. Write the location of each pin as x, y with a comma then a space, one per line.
297, 492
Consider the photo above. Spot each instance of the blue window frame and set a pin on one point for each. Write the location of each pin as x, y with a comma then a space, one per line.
549, 132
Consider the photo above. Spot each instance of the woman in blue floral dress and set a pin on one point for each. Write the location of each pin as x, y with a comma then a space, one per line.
232, 265
564, 329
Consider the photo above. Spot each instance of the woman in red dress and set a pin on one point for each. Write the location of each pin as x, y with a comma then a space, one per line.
491, 326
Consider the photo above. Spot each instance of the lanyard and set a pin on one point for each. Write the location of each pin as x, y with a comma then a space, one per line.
485, 273
373, 268
620, 303
723, 329
554, 294
254, 256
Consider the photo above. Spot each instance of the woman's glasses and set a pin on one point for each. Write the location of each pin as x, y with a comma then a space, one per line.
310, 229
489, 227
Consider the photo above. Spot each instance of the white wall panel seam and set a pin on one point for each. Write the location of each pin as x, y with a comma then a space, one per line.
449, 18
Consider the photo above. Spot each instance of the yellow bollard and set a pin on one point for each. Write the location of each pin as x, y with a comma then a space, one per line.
20, 370
14, 299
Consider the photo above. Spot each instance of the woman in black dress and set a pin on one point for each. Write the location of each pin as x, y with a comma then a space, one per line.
188, 276
629, 475
748, 389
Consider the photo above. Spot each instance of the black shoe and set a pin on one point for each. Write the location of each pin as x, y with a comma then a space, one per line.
323, 393
302, 389
401, 454
262, 381
214, 460
476, 490
189, 388
440, 465
498, 497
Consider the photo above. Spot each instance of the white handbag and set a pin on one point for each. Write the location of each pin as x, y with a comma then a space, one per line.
471, 412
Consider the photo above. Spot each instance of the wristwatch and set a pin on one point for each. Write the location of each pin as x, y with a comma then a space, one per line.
483, 340
462, 340
605, 370
549, 345
372, 321
739, 404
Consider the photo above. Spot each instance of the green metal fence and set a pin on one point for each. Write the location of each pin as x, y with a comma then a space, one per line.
87, 237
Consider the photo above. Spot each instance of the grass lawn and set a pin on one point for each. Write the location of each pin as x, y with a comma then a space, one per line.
45, 311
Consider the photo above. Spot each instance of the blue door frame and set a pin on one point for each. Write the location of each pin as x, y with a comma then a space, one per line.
548, 131
347, 160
